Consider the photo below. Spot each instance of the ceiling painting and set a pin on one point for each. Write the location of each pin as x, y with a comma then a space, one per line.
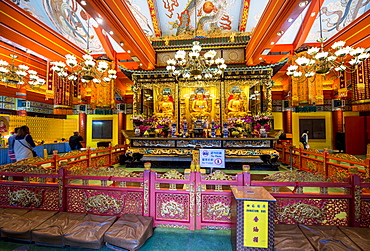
198, 17
335, 15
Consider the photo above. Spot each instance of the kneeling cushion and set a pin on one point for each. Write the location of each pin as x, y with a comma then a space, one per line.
52, 231
21, 227
130, 231
9, 214
89, 233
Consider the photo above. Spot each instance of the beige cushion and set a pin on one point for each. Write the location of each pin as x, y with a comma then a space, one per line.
22, 226
89, 233
52, 231
130, 231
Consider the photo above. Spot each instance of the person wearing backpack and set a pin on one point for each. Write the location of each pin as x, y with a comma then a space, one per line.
23, 144
304, 139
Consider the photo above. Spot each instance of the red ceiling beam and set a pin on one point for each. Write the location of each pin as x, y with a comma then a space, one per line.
274, 19
306, 24
20, 27
119, 19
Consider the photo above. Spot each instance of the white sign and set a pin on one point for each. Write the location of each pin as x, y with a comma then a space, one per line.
213, 158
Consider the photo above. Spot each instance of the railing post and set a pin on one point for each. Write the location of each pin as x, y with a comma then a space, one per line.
110, 154
196, 215
283, 152
325, 161
246, 175
88, 157
300, 158
55, 159
146, 196
291, 157
367, 161
152, 204
354, 216
62, 187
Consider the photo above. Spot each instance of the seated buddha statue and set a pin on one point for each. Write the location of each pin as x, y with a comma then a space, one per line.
199, 107
236, 107
165, 108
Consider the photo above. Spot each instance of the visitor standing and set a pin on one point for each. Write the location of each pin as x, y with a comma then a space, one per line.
304, 139
75, 141
23, 144
11, 140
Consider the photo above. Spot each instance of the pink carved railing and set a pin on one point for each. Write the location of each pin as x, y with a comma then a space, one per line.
213, 199
172, 199
311, 160
192, 200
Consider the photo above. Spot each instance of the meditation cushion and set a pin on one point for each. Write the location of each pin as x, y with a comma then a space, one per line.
89, 233
359, 235
290, 237
328, 238
130, 231
52, 231
9, 214
22, 226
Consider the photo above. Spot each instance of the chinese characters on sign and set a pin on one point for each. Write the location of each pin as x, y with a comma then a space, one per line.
256, 224
213, 158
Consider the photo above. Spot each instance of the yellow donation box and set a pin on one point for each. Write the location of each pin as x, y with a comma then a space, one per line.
253, 222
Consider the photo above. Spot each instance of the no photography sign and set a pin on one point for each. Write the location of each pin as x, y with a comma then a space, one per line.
213, 158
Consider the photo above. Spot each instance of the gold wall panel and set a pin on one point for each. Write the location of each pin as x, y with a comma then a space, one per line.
47, 129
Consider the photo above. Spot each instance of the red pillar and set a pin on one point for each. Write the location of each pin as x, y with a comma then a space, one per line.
82, 120
337, 124
287, 121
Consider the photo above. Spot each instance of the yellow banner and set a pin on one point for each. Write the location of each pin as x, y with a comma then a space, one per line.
256, 224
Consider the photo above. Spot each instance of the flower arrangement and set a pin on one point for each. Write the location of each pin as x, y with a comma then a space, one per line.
138, 119
262, 118
239, 125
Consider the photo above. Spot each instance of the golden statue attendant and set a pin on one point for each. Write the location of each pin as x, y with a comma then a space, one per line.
165, 108
236, 107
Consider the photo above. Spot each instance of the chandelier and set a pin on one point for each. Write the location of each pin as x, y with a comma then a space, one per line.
18, 74
339, 58
86, 71
196, 66
89, 70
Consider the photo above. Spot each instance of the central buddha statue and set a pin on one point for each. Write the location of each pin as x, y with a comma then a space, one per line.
236, 107
199, 107
165, 108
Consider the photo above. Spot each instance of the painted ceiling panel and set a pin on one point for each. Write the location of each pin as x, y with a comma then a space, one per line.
178, 17
255, 12
67, 18
335, 16
141, 11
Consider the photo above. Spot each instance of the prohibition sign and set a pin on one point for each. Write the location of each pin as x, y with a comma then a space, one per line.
218, 161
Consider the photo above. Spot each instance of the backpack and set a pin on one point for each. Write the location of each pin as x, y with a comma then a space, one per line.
302, 139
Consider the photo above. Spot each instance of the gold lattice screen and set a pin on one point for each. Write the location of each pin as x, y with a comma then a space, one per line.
47, 129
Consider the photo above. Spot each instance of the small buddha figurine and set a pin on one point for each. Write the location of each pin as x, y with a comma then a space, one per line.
199, 107
165, 108
236, 107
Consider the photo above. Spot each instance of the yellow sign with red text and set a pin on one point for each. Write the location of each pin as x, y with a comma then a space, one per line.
256, 224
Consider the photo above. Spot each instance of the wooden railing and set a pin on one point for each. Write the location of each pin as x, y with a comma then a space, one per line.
332, 165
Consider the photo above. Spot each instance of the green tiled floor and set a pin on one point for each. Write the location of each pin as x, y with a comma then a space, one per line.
163, 239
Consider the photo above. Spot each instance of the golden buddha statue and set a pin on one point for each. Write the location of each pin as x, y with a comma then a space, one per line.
199, 107
165, 108
236, 107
